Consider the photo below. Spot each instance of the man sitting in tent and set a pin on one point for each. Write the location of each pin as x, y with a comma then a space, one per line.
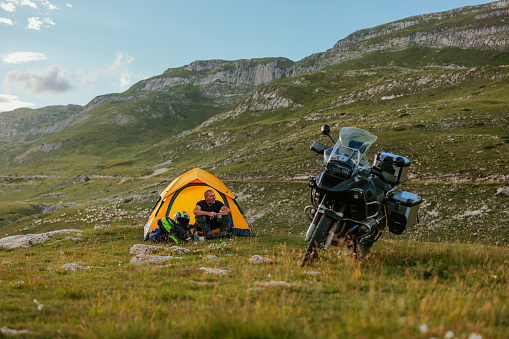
212, 214
171, 230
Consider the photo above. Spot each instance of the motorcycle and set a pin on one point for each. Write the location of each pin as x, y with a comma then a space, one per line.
352, 202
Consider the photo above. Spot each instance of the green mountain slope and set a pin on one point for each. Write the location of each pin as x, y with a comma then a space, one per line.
422, 84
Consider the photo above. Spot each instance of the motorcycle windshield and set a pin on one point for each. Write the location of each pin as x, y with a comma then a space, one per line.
352, 146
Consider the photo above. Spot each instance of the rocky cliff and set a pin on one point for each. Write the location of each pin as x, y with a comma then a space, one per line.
22, 124
484, 27
235, 74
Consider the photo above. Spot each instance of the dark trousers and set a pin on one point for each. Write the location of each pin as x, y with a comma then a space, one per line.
201, 223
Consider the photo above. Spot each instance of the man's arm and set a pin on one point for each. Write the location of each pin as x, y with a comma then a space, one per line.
198, 211
225, 210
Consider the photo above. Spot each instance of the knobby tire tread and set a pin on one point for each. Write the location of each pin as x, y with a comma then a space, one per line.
314, 243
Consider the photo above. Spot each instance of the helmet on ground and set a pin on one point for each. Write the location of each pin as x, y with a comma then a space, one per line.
181, 218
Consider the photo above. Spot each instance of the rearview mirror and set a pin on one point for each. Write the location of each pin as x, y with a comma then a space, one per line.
325, 129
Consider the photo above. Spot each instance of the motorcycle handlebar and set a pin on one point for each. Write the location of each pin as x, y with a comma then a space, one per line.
318, 147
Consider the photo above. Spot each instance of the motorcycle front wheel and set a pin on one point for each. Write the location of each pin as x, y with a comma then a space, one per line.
317, 239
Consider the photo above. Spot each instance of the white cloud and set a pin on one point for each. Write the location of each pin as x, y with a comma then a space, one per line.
69, 5
28, 3
9, 6
10, 102
54, 80
48, 4
21, 57
119, 73
36, 23
6, 21
121, 67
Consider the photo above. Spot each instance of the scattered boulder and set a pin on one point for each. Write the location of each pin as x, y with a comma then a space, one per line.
211, 256
74, 267
311, 272
213, 270
147, 249
26, 240
143, 259
143, 249
10, 332
102, 227
503, 190
198, 282
272, 283
258, 259
6, 262
180, 250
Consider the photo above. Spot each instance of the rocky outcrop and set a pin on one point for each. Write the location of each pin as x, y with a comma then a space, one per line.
267, 99
239, 73
402, 86
26, 240
20, 124
478, 27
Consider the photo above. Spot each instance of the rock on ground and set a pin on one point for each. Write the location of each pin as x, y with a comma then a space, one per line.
273, 283
26, 240
503, 190
213, 270
311, 272
258, 259
180, 250
146, 249
74, 267
143, 249
10, 332
143, 259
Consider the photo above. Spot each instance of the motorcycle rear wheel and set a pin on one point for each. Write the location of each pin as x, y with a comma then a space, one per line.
317, 239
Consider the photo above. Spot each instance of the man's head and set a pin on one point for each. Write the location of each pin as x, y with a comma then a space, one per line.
210, 197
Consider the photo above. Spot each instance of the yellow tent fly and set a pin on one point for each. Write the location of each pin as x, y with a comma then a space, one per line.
183, 194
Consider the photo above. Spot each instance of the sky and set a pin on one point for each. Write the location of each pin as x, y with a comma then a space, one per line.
59, 52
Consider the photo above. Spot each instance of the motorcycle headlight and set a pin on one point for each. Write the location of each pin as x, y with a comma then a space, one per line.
339, 168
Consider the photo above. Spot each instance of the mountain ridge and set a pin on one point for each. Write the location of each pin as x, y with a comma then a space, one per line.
207, 93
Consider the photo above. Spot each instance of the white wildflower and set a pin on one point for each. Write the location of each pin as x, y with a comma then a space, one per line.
39, 305
449, 335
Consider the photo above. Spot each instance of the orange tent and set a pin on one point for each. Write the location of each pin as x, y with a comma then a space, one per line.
183, 194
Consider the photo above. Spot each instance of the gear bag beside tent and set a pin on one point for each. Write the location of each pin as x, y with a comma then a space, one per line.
183, 194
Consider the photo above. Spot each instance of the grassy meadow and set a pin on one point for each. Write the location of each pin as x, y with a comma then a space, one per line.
445, 277
406, 289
